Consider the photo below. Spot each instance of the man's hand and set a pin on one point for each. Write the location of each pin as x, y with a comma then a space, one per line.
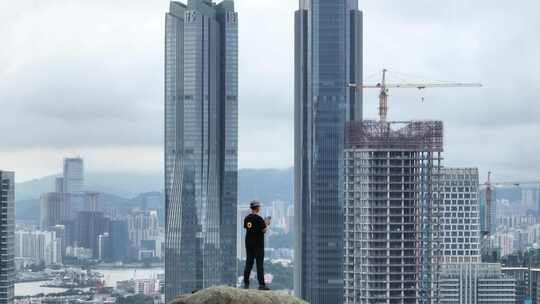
268, 220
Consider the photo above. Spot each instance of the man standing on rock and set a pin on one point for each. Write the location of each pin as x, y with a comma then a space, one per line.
255, 227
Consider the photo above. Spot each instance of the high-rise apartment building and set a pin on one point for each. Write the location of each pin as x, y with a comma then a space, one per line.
488, 211
460, 216
201, 145
73, 175
7, 236
328, 59
38, 247
142, 225
55, 209
243, 211
61, 238
391, 176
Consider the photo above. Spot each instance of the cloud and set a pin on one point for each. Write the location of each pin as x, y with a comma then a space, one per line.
88, 75
81, 74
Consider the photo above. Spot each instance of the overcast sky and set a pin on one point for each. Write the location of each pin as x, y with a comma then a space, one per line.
86, 78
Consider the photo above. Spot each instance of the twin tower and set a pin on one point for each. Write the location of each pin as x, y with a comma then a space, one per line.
201, 142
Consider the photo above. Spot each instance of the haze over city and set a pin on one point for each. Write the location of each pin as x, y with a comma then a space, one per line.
86, 78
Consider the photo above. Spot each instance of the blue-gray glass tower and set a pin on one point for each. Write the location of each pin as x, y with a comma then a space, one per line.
328, 57
201, 145
7, 236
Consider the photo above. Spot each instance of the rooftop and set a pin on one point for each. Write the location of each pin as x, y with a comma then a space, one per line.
395, 135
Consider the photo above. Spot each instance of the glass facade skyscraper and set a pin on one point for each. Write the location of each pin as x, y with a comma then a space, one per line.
328, 58
73, 175
201, 145
7, 236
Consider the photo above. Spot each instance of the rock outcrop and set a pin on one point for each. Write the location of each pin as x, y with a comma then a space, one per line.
229, 295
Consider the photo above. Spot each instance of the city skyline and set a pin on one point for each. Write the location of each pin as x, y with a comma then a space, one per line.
372, 211
464, 35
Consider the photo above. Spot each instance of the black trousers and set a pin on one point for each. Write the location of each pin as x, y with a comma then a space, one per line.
254, 253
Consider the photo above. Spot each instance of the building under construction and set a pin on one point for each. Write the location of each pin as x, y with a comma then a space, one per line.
391, 174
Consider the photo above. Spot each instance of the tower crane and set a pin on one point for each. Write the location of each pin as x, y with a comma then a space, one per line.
489, 185
383, 86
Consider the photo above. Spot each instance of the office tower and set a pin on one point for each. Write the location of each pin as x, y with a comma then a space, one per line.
7, 235
391, 176
90, 225
120, 240
201, 145
474, 283
55, 209
91, 202
328, 59
73, 175
526, 281
59, 185
460, 216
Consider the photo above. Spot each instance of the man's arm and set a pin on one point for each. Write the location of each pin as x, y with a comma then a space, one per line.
265, 223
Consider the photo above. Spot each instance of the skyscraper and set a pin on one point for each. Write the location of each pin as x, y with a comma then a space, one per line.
55, 209
91, 202
90, 224
7, 236
73, 175
142, 225
392, 173
41, 246
460, 216
328, 58
120, 239
201, 118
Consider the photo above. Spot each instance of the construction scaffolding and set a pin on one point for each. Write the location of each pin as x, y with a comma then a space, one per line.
370, 134
392, 176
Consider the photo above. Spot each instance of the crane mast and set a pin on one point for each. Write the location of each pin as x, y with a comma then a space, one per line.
489, 186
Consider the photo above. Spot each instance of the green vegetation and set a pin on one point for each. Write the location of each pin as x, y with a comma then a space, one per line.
283, 276
281, 241
136, 299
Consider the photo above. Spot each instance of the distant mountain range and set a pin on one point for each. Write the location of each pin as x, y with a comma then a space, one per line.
121, 184
123, 191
